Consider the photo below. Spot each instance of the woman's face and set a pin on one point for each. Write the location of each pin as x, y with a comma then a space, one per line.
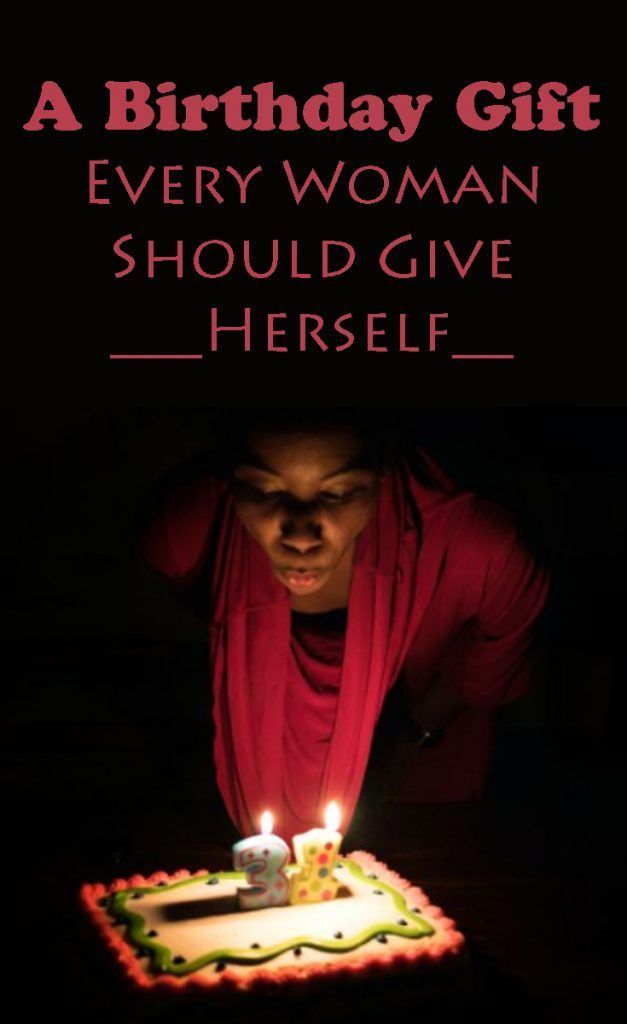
305, 496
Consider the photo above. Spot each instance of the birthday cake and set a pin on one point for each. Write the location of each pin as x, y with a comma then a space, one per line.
186, 931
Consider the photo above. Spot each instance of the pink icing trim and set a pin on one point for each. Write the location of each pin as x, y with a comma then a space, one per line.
445, 944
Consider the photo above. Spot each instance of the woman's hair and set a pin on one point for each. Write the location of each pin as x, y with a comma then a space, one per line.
387, 434
382, 435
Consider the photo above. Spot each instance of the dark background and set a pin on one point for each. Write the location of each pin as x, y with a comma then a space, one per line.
107, 745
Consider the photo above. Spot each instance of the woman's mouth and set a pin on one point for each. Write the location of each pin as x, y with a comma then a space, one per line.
300, 580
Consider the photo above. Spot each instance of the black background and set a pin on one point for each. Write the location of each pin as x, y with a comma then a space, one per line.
108, 740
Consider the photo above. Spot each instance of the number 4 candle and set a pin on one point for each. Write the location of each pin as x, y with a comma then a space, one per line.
316, 852
263, 859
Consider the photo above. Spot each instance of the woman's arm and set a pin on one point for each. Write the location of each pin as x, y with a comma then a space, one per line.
490, 660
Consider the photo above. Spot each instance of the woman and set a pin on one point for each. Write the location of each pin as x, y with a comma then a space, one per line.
341, 570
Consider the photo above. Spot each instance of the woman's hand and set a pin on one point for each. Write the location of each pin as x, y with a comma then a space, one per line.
409, 742
423, 726
434, 710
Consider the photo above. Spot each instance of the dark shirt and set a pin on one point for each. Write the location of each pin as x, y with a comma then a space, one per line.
333, 621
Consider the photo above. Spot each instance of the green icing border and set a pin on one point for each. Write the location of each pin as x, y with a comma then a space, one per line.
161, 956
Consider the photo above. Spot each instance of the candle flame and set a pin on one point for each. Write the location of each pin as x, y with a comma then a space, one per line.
332, 816
267, 821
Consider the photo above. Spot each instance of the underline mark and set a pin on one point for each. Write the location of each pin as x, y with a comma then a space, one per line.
159, 355
489, 355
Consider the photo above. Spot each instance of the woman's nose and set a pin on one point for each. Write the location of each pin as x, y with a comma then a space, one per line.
301, 543
300, 532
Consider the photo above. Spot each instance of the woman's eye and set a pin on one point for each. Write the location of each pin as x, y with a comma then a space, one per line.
259, 495
252, 493
331, 497
246, 490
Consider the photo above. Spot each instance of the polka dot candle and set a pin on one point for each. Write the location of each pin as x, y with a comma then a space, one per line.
316, 852
263, 859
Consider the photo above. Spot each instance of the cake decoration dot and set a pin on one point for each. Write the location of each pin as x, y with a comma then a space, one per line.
328, 846
313, 849
255, 945
401, 921
382, 938
323, 872
339, 935
327, 895
213, 881
323, 858
372, 876
152, 934
220, 966
302, 893
161, 884
178, 960
377, 892
137, 896
315, 886
298, 951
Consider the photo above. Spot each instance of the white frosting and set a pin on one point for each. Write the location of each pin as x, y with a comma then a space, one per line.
195, 919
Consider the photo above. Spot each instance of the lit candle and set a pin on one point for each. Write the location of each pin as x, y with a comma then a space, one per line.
316, 852
262, 858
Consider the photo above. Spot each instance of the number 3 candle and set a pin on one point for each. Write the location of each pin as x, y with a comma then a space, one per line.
262, 858
316, 852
